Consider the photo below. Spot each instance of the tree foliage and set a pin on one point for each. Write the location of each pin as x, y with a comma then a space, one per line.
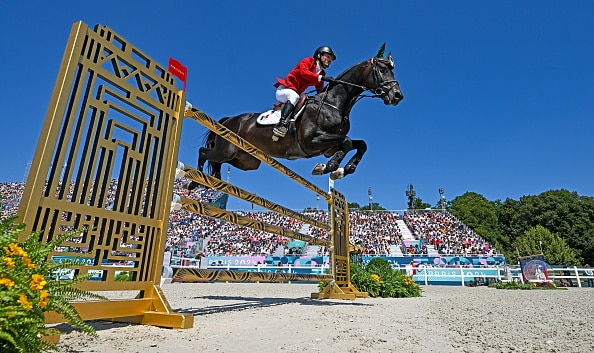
354, 205
480, 214
373, 207
538, 240
563, 213
419, 204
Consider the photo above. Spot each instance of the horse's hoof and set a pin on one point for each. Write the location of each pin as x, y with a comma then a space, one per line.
191, 185
318, 169
337, 174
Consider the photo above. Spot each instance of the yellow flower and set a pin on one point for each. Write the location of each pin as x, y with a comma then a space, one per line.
27, 261
37, 282
43, 298
25, 303
15, 249
7, 282
9, 262
376, 278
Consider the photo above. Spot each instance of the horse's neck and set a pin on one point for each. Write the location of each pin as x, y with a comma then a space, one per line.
344, 96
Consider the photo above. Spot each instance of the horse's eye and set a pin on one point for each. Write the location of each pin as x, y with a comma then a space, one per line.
383, 70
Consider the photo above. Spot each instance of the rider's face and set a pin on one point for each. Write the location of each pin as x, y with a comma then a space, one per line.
326, 60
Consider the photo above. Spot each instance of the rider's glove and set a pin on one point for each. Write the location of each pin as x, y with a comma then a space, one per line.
328, 78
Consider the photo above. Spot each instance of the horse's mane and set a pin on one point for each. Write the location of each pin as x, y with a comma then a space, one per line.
342, 74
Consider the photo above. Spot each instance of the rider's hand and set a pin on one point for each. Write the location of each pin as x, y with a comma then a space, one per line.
328, 78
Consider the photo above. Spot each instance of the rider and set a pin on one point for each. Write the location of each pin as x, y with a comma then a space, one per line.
308, 72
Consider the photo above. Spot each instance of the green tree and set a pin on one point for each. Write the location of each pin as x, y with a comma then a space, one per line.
354, 205
480, 214
374, 207
418, 204
554, 248
562, 212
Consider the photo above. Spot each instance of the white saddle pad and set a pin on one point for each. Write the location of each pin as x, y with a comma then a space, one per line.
270, 117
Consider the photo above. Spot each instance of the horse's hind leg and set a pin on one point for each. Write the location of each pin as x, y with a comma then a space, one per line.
202, 151
215, 169
350, 167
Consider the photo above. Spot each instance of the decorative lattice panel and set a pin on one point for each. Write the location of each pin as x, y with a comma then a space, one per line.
106, 158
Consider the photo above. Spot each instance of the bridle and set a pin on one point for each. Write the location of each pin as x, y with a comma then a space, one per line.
382, 89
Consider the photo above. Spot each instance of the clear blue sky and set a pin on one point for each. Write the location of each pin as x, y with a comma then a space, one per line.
499, 95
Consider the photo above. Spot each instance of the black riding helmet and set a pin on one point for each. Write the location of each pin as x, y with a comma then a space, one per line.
324, 49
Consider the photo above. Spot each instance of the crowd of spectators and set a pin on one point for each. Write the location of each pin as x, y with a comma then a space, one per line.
11, 197
446, 233
378, 232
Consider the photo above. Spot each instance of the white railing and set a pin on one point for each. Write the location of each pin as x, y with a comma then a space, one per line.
575, 276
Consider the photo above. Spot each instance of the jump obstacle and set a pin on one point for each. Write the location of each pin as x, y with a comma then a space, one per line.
116, 114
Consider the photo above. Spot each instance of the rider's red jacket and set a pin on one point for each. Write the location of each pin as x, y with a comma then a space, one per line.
302, 76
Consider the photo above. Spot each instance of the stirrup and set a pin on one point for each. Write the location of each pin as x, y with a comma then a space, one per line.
280, 131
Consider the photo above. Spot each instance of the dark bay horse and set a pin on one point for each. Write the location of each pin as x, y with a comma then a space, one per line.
321, 127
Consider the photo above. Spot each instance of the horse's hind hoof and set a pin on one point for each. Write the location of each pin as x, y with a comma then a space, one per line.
190, 185
337, 174
318, 169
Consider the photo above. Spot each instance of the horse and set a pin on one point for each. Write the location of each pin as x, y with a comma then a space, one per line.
320, 128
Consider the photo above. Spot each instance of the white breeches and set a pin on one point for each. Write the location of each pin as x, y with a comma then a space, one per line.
284, 94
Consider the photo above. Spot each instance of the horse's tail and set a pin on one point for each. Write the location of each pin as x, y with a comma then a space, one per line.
209, 141
209, 137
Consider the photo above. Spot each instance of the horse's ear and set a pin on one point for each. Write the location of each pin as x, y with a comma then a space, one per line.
387, 59
391, 61
380, 53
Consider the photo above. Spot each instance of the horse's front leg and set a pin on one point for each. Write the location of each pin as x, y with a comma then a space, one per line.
361, 148
335, 160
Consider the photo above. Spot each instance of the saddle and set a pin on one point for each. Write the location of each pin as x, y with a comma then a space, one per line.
272, 116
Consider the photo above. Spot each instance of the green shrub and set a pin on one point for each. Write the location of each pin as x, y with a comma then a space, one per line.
524, 286
363, 281
379, 279
27, 292
123, 276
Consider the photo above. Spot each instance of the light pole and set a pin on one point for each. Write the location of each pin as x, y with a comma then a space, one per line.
410, 194
370, 193
442, 199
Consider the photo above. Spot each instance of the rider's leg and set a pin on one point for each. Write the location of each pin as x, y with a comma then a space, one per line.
290, 98
281, 128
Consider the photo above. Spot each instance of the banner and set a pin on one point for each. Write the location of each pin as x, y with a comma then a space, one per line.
180, 71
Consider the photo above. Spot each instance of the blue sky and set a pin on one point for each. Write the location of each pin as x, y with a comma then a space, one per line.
499, 96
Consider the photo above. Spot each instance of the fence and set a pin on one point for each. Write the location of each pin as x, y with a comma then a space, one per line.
580, 277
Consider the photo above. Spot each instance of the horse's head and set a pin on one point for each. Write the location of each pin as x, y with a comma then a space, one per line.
380, 79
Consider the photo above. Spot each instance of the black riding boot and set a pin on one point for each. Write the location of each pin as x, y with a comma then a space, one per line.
281, 128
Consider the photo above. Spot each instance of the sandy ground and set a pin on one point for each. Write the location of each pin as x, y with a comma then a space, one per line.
257, 317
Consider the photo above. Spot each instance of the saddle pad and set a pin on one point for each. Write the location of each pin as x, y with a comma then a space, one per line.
269, 117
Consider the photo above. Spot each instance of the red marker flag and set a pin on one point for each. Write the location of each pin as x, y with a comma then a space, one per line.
177, 69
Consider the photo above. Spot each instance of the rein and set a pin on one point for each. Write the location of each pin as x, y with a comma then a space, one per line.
377, 92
